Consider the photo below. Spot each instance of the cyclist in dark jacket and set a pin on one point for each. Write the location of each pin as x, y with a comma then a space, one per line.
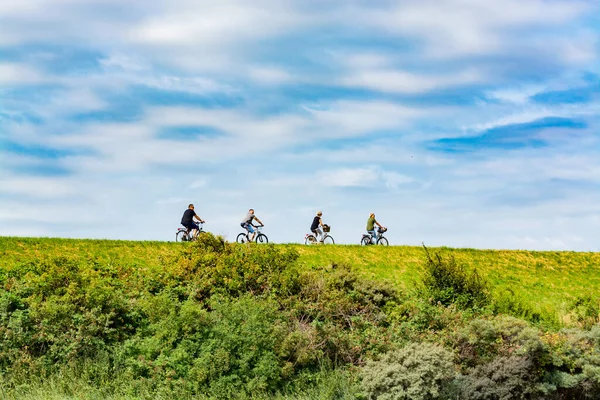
187, 220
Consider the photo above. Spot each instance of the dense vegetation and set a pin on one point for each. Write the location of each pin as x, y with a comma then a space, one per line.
110, 319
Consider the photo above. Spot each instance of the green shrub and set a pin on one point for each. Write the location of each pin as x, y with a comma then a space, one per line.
506, 301
419, 371
346, 313
583, 311
574, 370
448, 283
414, 316
503, 378
482, 340
211, 266
66, 309
231, 349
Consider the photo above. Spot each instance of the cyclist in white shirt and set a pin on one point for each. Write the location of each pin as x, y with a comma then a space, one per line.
247, 223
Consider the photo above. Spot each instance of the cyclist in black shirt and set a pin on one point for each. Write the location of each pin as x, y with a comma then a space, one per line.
317, 226
188, 220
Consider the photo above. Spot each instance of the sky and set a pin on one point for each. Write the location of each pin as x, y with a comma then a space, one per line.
459, 123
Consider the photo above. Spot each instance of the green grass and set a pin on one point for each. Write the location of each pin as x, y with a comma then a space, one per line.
548, 281
556, 289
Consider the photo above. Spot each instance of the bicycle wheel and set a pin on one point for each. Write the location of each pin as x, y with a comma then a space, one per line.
194, 238
181, 236
310, 239
242, 238
382, 241
365, 241
328, 240
262, 238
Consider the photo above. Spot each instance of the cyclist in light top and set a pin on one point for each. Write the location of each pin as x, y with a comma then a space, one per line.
317, 226
187, 220
371, 222
247, 223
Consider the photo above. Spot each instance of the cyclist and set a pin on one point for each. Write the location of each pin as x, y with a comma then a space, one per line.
371, 222
188, 220
247, 223
317, 226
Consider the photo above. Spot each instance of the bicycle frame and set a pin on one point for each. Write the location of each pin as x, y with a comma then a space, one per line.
380, 235
189, 231
257, 231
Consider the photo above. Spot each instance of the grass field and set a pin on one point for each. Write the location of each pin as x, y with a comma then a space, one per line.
549, 282
147, 320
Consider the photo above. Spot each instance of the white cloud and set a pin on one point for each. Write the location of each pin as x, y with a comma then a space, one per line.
124, 62
126, 71
349, 177
362, 177
451, 28
353, 118
393, 179
135, 146
520, 95
531, 113
396, 81
213, 24
17, 74
36, 187
271, 75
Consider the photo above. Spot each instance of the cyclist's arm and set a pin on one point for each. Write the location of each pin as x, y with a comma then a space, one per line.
321, 222
259, 221
198, 218
379, 225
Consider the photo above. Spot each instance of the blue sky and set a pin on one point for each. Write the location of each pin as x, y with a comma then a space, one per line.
462, 123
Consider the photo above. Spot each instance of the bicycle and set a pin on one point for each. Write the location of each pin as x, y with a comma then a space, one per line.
184, 235
367, 239
311, 238
244, 237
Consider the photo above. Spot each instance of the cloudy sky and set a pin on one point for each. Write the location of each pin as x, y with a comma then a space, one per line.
464, 123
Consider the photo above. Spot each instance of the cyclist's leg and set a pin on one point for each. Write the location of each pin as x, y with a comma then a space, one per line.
373, 236
320, 234
251, 231
195, 229
315, 234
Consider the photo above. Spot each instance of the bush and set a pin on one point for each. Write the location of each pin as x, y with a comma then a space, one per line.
211, 266
483, 340
346, 313
584, 311
506, 358
503, 378
448, 283
420, 371
215, 319
230, 350
506, 301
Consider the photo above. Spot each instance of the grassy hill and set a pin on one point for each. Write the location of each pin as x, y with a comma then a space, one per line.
148, 320
548, 283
